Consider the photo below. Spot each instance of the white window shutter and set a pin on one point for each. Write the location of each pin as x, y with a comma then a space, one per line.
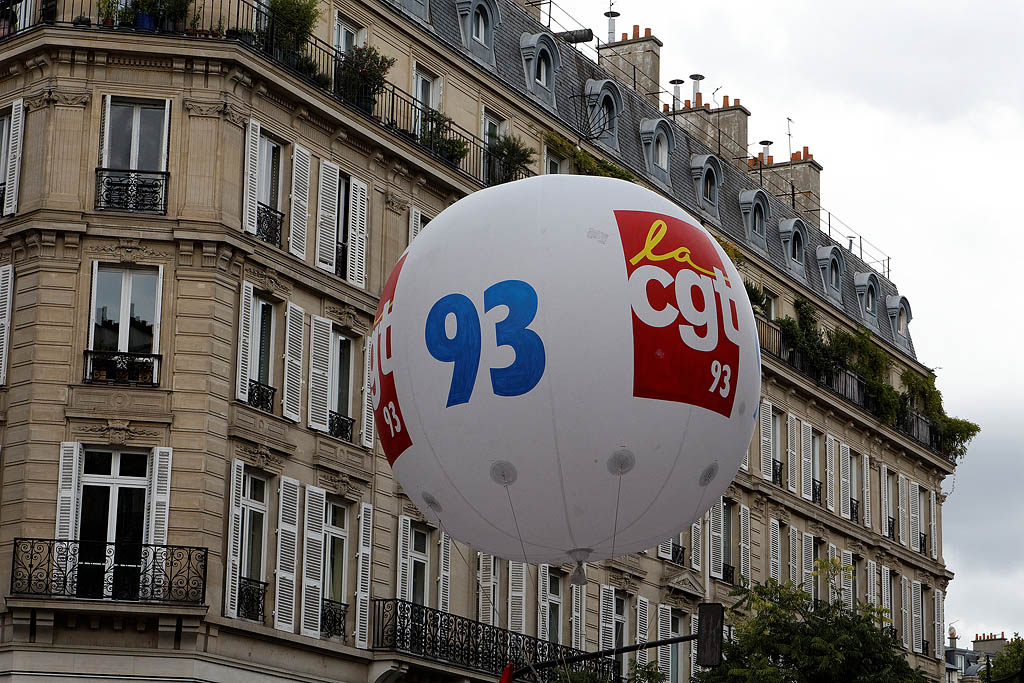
234, 559
485, 589
905, 611
403, 580
642, 625
363, 569
844, 481
745, 543
808, 563
696, 545
607, 617
69, 486
313, 561
159, 495
6, 299
916, 605
14, 144
579, 616
367, 421
358, 208
294, 334
901, 492
319, 373
883, 495
717, 537
791, 452
806, 469
665, 549
774, 551
940, 619
833, 554
252, 174
287, 554
887, 593
543, 600
664, 630
694, 628
444, 579
830, 472
933, 526
848, 595
872, 568
794, 555
517, 596
327, 216
245, 313
765, 418
299, 224
415, 223
914, 496
866, 498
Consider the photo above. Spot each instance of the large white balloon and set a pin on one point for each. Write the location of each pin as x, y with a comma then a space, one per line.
564, 368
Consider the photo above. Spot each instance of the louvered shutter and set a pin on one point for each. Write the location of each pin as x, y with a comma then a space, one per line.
543, 599
717, 536
866, 498
252, 174
485, 596
848, 595
159, 492
319, 372
696, 544
887, 593
745, 543
905, 611
364, 563
287, 554
103, 152
327, 216
299, 225
664, 631
830, 473
901, 485
607, 617
6, 299
234, 560
914, 495
765, 416
791, 452
833, 555
291, 397
933, 525
358, 207
844, 481
367, 422
579, 616
665, 549
415, 223
444, 579
14, 144
694, 627
69, 485
916, 606
774, 551
872, 582
940, 620
517, 596
403, 581
806, 469
808, 563
883, 494
245, 311
313, 561
642, 625
794, 555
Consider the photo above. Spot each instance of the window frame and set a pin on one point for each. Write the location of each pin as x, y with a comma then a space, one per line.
332, 531
337, 337
125, 307
560, 163
708, 167
343, 24
137, 103
620, 636
258, 302
268, 178
5, 142
604, 127
249, 505
422, 557
555, 577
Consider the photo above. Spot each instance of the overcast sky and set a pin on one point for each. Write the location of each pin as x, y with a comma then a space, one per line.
916, 111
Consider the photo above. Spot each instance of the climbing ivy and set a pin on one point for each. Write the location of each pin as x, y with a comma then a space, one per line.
584, 162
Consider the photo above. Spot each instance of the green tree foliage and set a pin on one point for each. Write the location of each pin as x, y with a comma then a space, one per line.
758, 298
779, 638
585, 162
1008, 665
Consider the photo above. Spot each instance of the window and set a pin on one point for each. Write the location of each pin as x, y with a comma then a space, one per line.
675, 661
419, 563
543, 68
621, 602
554, 605
269, 184
728, 508
494, 128
869, 300
708, 174
254, 525
776, 444
263, 340
478, 20
772, 303
604, 103
796, 252
541, 60
710, 187
608, 115
554, 163
341, 250
341, 375
816, 456
853, 575
346, 35
901, 321
658, 141
124, 353
425, 89
758, 220
832, 264
134, 155
335, 543
480, 32
5, 148
833, 274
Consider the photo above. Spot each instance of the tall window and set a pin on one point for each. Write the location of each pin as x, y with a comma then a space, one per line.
543, 68
419, 565
135, 135
554, 605
254, 525
341, 374
494, 128
797, 247
268, 187
869, 300
5, 146
728, 508
621, 602
608, 116
555, 163
758, 219
901, 321
675, 655
124, 334
480, 22
776, 437
661, 151
346, 35
833, 273
263, 341
710, 185
854, 488
335, 543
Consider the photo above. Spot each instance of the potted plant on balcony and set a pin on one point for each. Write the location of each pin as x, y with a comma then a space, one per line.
361, 74
506, 157
145, 14
174, 13
125, 16
105, 9
292, 23
436, 135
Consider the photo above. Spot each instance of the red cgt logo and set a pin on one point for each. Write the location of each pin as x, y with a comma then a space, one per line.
685, 317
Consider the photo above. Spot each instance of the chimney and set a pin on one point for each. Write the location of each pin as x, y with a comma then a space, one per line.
634, 62
611, 14
531, 7
675, 83
696, 78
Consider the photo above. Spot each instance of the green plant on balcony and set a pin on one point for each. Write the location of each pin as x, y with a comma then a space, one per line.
584, 162
106, 9
758, 299
174, 12
954, 433
125, 16
293, 22
436, 134
361, 75
507, 156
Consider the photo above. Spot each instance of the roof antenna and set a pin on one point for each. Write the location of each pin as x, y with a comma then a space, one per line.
789, 134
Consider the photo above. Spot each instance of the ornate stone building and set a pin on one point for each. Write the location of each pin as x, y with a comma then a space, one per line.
197, 222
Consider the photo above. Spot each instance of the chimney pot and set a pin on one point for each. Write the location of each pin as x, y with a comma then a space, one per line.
647, 33
625, 36
805, 150
795, 157
707, 105
636, 30
725, 100
700, 100
760, 157
686, 104
736, 102
808, 156
664, 107
751, 163
771, 160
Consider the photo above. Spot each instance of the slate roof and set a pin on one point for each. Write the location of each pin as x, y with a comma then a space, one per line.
570, 82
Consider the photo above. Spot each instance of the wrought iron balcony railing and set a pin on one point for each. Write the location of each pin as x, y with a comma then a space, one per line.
922, 546
924, 648
122, 367
261, 396
341, 260
3, 192
332, 618
402, 626
854, 510
119, 189
340, 426
133, 572
891, 526
268, 224
816, 491
252, 597
678, 554
777, 472
729, 574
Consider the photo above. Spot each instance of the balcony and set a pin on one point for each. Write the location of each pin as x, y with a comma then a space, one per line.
922, 546
122, 368
678, 554
332, 618
129, 572
892, 527
816, 491
120, 189
777, 472
854, 510
3, 192
340, 426
402, 626
261, 396
268, 224
341, 260
729, 574
252, 597
924, 648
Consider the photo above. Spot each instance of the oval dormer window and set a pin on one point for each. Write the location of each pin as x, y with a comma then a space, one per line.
758, 220
833, 274
543, 67
480, 24
901, 321
710, 187
661, 151
796, 251
869, 300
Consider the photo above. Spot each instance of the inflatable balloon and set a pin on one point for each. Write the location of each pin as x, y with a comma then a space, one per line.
564, 368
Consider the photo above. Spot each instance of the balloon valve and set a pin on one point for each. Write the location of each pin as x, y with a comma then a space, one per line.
579, 575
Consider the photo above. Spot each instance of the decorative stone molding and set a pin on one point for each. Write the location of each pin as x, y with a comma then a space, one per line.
340, 483
348, 317
395, 203
117, 432
779, 513
623, 582
261, 457
210, 108
410, 510
236, 115
65, 97
268, 280
128, 250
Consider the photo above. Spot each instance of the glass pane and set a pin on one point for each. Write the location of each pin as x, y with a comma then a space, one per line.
344, 359
97, 462
143, 311
419, 541
133, 465
131, 511
253, 557
257, 489
265, 326
94, 517
107, 314
151, 138
554, 584
119, 135
336, 569
336, 515
554, 622
419, 582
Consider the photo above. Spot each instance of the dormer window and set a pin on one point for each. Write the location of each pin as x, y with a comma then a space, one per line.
607, 124
541, 60
866, 285
796, 251
869, 301
605, 104
758, 220
477, 22
661, 151
710, 187
480, 33
658, 140
832, 265
900, 316
793, 234
833, 273
708, 175
901, 322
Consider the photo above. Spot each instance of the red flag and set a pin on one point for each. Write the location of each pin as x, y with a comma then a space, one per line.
506, 675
